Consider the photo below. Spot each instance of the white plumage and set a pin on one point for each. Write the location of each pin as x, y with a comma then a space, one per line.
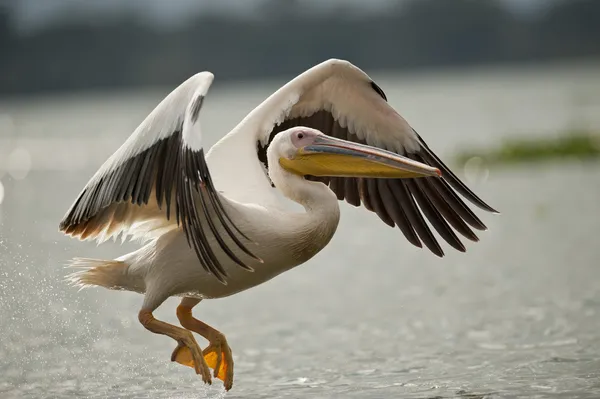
214, 226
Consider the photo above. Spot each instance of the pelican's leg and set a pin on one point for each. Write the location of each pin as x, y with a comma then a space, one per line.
183, 337
217, 354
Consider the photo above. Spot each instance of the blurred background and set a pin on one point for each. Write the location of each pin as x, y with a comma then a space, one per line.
507, 92
67, 45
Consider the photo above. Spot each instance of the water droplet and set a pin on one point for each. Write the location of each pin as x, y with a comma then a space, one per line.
19, 163
476, 171
1, 196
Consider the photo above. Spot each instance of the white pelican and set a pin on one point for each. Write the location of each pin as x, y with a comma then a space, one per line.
214, 226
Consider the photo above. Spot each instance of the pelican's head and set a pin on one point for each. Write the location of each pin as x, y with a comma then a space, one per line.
304, 151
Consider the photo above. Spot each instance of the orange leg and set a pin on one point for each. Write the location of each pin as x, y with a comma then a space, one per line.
184, 338
218, 353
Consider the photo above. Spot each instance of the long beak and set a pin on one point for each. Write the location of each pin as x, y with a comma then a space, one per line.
329, 156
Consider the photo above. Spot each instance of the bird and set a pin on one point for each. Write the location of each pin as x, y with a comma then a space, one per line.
215, 223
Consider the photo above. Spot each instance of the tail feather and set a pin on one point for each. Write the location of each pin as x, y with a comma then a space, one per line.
111, 274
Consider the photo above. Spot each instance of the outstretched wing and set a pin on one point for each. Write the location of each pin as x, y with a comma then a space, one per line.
340, 100
158, 180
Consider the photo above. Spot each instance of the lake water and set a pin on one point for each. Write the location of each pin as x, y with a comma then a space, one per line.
518, 315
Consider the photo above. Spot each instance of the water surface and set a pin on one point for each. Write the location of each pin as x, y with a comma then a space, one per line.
370, 316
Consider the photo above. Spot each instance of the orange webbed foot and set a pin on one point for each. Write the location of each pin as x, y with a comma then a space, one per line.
217, 356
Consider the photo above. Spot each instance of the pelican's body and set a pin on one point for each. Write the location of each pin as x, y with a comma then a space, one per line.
215, 225
284, 239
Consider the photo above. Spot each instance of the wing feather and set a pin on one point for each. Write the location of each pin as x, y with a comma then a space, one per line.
340, 100
397, 213
161, 168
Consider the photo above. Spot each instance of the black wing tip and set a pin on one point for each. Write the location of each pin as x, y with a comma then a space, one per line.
481, 227
244, 266
439, 252
378, 90
435, 247
473, 238
481, 204
458, 245
196, 178
196, 107
69, 222
449, 176
414, 240
220, 278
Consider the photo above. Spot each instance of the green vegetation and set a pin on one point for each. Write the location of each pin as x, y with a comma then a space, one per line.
571, 144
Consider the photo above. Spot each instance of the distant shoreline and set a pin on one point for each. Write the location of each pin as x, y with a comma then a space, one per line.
568, 145
82, 52
587, 64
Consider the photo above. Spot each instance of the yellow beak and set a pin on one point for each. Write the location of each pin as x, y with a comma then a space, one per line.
328, 156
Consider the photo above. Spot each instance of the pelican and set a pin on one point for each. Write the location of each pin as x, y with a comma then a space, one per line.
214, 225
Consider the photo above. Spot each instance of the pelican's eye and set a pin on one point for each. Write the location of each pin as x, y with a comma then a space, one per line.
302, 138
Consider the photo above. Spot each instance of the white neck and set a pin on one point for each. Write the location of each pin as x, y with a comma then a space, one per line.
315, 227
315, 197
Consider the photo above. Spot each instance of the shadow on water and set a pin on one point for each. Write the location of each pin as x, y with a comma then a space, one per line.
461, 394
